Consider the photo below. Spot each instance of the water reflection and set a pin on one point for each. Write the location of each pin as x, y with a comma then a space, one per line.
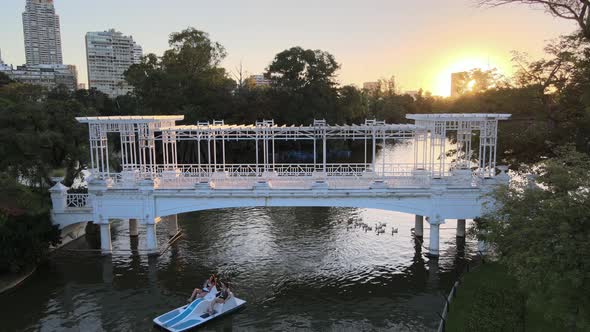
298, 268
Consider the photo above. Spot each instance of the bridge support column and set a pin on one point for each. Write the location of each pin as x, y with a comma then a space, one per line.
133, 230
460, 227
434, 240
106, 247
150, 238
173, 227
419, 226
434, 235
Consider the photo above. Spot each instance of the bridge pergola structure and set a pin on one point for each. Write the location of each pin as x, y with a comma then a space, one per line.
151, 184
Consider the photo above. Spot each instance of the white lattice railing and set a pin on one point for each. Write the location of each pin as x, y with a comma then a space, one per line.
77, 200
355, 175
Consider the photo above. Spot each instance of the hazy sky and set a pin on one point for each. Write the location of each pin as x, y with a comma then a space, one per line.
419, 42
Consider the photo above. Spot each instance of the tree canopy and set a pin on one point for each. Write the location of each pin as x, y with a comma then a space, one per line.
573, 10
298, 68
542, 235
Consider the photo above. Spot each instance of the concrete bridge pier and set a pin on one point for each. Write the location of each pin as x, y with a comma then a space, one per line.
460, 227
419, 226
106, 247
173, 226
150, 237
434, 240
133, 230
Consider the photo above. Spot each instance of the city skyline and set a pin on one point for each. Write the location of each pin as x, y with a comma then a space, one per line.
421, 44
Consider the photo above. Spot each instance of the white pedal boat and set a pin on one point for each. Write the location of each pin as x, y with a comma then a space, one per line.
195, 314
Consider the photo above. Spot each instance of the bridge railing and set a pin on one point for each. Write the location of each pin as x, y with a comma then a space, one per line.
289, 170
353, 175
78, 201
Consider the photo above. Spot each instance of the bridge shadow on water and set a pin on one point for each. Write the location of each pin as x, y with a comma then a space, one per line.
298, 268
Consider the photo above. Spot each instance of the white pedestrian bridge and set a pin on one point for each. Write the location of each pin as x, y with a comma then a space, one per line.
151, 181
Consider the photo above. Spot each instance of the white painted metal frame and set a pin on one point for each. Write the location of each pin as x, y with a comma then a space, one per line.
139, 135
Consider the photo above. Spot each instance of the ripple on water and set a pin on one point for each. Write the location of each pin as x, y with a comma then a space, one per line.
300, 269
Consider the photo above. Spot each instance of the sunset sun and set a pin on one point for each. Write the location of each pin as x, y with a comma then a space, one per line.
442, 83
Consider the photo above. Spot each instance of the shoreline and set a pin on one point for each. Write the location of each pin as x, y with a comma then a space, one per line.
10, 281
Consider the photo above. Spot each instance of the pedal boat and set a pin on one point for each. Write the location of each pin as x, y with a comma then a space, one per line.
195, 313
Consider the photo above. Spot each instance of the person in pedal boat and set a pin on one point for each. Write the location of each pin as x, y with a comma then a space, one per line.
220, 297
207, 286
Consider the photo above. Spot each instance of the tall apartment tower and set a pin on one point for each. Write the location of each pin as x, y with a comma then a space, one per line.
108, 55
42, 34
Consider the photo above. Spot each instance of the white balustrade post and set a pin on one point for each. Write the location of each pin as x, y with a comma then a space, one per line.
150, 237
460, 227
133, 229
59, 197
105, 238
419, 226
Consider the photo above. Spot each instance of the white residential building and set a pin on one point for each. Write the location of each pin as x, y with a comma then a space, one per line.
109, 54
42, 33
48, 76
137, 53
260, 80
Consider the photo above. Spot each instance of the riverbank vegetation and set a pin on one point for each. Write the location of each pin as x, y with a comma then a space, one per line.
540, 230
489, 299
26, 232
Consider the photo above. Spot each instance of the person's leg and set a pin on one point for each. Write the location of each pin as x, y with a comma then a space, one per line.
212, 305
190, 299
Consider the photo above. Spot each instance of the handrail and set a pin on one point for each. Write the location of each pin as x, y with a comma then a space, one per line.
77, 200
302, 175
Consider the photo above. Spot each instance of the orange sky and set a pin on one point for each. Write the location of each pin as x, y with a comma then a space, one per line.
420, 42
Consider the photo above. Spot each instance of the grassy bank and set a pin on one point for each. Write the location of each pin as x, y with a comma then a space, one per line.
489, 300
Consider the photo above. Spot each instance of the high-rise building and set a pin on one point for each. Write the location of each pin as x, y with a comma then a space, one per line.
137, 53
372, 86
42, 34
108, 55
458, 83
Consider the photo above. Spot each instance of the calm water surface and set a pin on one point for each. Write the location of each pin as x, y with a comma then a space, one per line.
300, 269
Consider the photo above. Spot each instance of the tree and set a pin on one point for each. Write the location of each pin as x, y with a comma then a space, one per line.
186, 80
542, 233
25, 240
575, 10
297, 68
477, 80
4, 79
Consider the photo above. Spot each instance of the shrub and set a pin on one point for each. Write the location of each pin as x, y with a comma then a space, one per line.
25, 240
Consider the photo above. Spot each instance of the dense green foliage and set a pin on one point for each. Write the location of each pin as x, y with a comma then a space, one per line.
542, 234
25, 239
490, 299
25, 227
